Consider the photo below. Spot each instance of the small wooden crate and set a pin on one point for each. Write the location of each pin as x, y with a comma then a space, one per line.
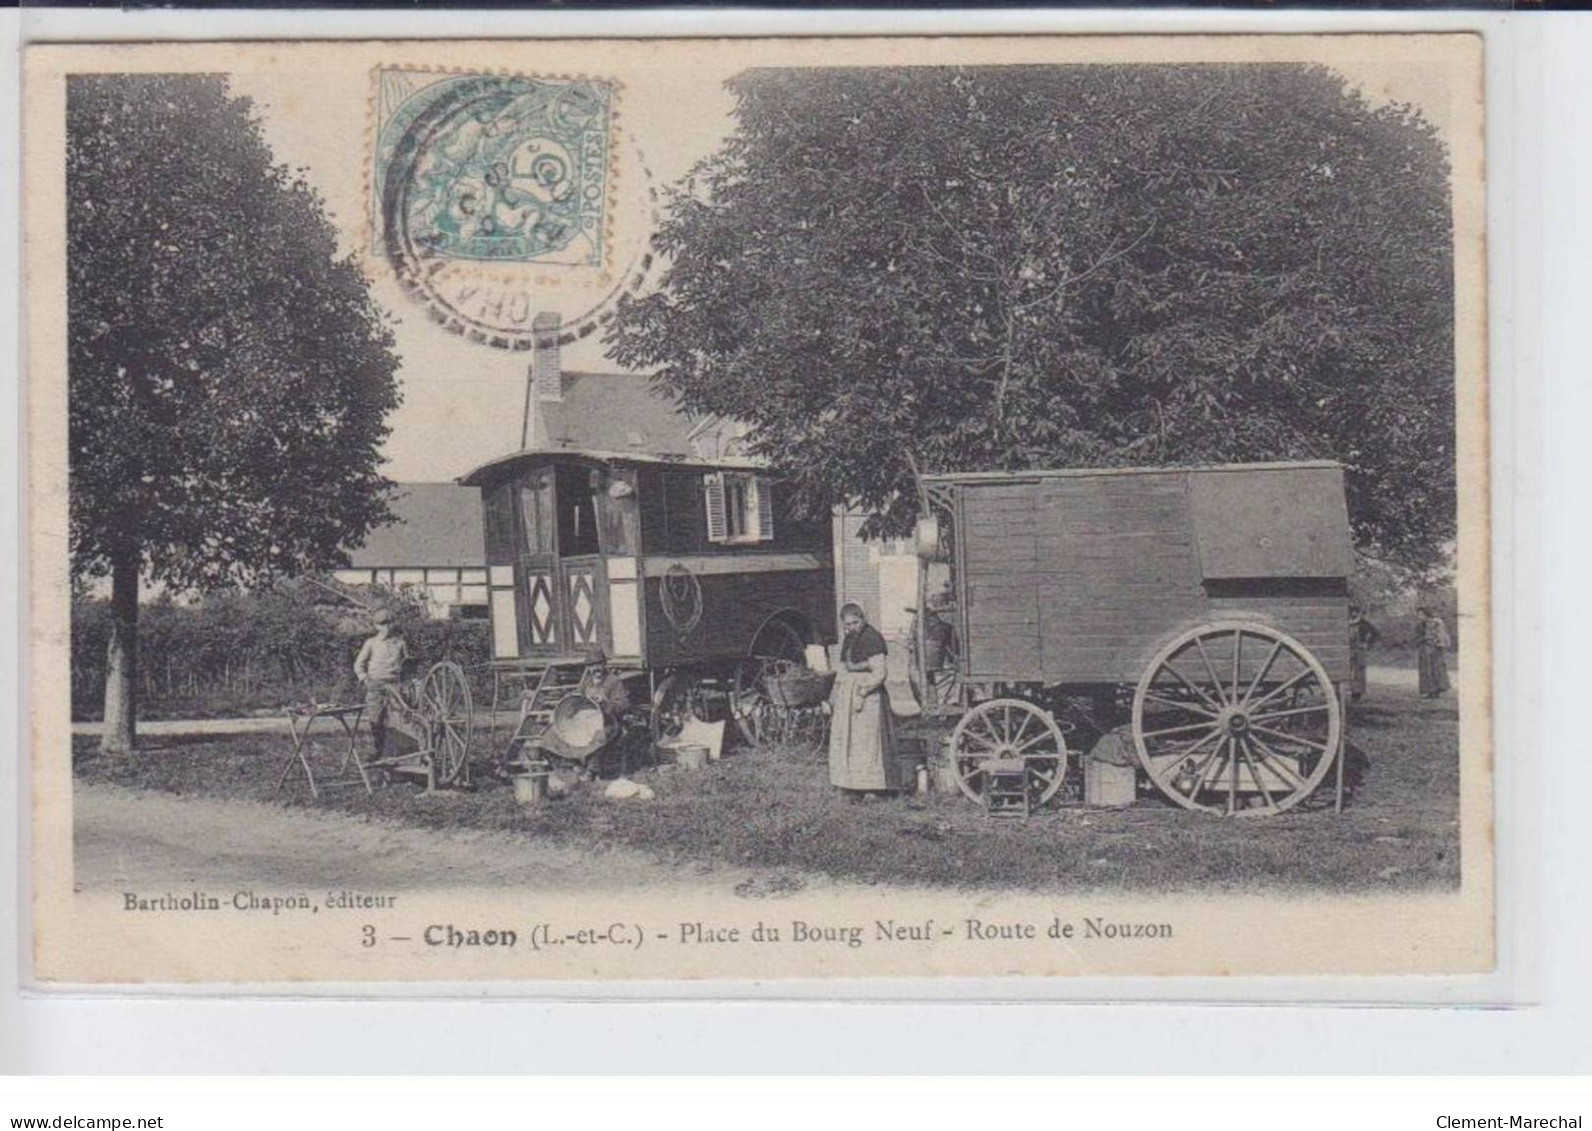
1108, 786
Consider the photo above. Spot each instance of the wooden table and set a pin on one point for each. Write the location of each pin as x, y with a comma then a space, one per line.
301, 721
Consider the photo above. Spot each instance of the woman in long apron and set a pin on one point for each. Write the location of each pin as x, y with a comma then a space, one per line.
861, 731
1433, 653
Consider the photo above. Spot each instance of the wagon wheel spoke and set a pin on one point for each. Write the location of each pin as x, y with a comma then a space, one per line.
1175, 730
1183, 752
1238, 652
1177, 675
1032, 742
1279, 689
1216, 680
983, 743
1202, 771
1314, 707
1022, 730
1208, 770
1181, 706
1232, 776
1277, 764
1254, 772
989, 728
1265, 670
1284, 736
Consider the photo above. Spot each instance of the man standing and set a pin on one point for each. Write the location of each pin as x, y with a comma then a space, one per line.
1363, 636
380, 668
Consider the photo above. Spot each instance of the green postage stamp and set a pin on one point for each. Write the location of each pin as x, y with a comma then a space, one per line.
490, 168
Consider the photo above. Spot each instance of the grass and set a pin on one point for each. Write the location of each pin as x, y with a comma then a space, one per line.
768, 809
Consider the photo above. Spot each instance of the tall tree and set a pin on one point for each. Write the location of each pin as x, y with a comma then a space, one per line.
1015, 267
229, 373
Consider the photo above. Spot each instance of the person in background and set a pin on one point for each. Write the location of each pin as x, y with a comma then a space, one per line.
603, 686
379, 667
1363, 636
861, 732
1432, 644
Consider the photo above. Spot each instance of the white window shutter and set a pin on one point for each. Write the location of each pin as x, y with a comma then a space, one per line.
713, 489
765, 508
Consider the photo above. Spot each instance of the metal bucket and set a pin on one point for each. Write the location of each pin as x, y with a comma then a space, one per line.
530, 787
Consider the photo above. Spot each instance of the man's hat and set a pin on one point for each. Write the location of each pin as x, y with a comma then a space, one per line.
596, 655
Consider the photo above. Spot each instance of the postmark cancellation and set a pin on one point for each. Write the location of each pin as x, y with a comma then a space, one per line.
492, 168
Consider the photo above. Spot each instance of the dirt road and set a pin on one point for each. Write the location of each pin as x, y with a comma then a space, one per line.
137, 839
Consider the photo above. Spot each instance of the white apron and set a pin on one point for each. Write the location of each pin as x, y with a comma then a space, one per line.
861, 731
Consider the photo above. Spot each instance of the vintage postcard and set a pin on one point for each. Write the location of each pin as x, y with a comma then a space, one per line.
536, 510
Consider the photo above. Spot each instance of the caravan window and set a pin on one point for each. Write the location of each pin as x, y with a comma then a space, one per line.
740, 507
536, 512
577, 517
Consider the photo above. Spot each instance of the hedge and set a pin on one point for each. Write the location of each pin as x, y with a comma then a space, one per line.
242, 653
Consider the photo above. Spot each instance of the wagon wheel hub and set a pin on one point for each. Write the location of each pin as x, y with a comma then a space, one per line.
1236, 721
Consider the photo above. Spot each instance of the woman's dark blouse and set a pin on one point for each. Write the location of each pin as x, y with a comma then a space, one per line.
862, 646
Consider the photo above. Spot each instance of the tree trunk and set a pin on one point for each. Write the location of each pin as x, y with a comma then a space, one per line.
121, 657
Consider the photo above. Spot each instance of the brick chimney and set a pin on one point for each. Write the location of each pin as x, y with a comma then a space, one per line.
547, 374
544, 382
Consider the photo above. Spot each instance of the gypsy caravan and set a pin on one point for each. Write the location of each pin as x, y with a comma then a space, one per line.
694, 575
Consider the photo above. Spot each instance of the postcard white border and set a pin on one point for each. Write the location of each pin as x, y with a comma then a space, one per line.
1536, 906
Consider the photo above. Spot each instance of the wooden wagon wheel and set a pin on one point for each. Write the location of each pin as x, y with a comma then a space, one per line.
449, 713
779, 640
801, 731
806, 731
750, 706
673, 705
1236, 718
1009, 728
777, 646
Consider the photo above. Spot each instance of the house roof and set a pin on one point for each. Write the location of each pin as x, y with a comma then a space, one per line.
488, 470
614, 412
611, 418
439, 524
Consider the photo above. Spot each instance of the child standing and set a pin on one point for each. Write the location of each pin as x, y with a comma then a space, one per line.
380, 668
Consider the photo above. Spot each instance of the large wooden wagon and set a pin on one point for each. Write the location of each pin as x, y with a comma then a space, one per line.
1204, 609
694, 576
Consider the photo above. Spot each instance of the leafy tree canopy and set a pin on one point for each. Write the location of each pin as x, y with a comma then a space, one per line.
1024, 267
229, 374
